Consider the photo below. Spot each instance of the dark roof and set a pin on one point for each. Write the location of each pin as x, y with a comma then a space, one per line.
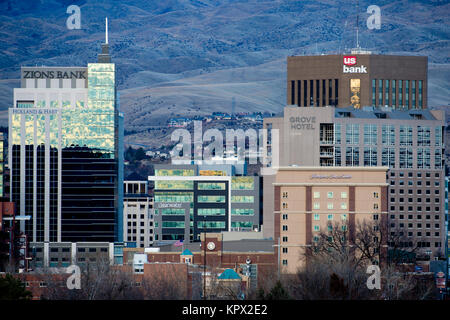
251, 245
384, 113
135, 177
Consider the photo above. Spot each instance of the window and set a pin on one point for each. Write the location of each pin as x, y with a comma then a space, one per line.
215, 211
285, 216
406, 158
316, 205
316, 228
344, 195
242, 199
370, 156
406, 135
285, 228
285, 195
316, 195
423, 136
423, 158
393, 96
388, 157
370, 134
211, 186
285, 239
330, 195
352, 134
438, 136
330, 217
374, 90
352, 156
375, 206
240, 212
437, 159
316, 216
343, 205
330, 205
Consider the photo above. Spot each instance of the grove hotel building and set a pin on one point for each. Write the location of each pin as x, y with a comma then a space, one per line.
409, 142
308, 200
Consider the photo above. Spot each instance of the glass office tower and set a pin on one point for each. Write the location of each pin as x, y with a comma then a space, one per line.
65, 142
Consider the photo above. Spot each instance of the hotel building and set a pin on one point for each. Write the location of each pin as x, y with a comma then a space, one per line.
409, 142
65, 153
311, 200
193, 199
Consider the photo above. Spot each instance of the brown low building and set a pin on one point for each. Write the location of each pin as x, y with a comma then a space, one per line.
258, 254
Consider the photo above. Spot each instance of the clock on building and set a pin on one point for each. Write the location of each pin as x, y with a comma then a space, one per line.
211, 246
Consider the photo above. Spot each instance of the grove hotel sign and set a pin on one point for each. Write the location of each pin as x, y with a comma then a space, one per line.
348, 67
302, 123
330, 176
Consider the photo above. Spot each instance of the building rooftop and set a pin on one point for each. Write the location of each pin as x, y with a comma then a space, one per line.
384, 113
247, 245
377, 113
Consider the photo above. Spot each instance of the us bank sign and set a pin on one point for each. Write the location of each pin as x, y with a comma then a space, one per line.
348, 67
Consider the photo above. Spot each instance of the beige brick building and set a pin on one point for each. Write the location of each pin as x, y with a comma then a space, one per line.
309, 199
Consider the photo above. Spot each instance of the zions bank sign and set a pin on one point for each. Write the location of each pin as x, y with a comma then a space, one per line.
54, 73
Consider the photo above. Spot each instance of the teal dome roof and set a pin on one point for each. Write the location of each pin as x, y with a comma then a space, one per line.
187, 252
229, 274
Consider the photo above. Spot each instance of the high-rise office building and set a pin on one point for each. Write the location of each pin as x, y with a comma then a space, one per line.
358, 79
192, 199
138, 221
65, 152
373, 112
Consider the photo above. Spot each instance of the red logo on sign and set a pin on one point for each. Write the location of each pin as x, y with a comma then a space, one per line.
349, 60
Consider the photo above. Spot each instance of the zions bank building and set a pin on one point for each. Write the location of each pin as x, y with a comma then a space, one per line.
65, 134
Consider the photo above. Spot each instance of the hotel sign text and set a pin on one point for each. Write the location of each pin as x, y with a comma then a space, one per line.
302, 123
330, 176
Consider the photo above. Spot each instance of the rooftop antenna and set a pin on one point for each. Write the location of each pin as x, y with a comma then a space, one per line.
357, 25
358, 48
106, 34
104, 57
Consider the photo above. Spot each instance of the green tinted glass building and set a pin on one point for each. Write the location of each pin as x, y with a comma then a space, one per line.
65, 152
